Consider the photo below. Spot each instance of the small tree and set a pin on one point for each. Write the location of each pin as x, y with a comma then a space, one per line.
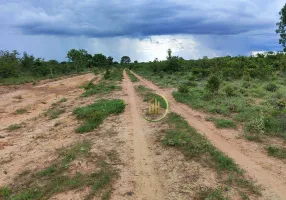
282, 27
213, 84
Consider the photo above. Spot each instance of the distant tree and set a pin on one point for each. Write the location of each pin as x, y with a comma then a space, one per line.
169, 54
173, 62
135, 61
9, 64
99, 60
125, 60
282, 27
109, 60
27, 61
79, 58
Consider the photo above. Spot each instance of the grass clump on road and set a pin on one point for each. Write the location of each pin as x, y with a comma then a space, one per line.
132, 77
21, 111
222, 123
275, 151
148, 94
103, 87
55, 111
57, 178
94, 114
107, 84
13, 127
195, 146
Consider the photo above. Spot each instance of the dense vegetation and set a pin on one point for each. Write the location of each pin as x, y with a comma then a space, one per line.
247, 90
16, 69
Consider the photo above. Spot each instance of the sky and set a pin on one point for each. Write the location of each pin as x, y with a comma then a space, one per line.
141, 29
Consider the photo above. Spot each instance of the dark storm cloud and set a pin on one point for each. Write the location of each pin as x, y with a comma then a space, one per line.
138, 18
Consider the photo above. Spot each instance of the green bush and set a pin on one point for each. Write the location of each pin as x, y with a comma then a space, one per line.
229, 91
107, 74
271, 87
256, 125
183, 89
213, 84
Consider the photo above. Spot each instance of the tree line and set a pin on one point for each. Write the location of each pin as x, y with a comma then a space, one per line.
13, 64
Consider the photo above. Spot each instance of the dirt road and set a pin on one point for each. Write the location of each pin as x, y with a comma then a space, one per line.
147, 169
269, 172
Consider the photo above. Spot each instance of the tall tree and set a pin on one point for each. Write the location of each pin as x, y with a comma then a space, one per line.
78, 57
282, 27
125, 60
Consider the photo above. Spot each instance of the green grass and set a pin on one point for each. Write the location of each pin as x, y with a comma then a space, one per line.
103, 87
148, 94
62, 100
107, 84
132, 77
211, 194
54, 113
21, 80
55, 179
241, 101
277, 152
14, 127
93, 115
21, 111
222, 123
196, 147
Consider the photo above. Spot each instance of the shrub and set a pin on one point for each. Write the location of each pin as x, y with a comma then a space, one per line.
183, 89
213, 84
191, 83
271, 87
246, 84
256, 125
229, 91
107, 74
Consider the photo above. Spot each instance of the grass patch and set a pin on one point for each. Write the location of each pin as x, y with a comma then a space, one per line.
56, 179
253, 137
211, 193
94, 114
103, 87
62, 100
222, 123
277, 152
195, 146
107, 84
132, 77
21, 111
14, 127
148, 94
54, 113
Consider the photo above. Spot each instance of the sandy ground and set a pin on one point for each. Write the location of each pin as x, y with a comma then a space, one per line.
147, 169
269, 172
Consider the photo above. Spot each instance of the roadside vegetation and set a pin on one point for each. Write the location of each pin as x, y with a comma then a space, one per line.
58, 177
17, 69
149, 94
249, 91
14, 127
56, 109
93, 115
107, 84
195, 146
132, 77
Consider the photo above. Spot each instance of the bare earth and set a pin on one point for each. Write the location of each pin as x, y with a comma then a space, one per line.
147, 170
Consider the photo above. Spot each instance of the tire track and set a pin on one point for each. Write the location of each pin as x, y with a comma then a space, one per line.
147, 185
